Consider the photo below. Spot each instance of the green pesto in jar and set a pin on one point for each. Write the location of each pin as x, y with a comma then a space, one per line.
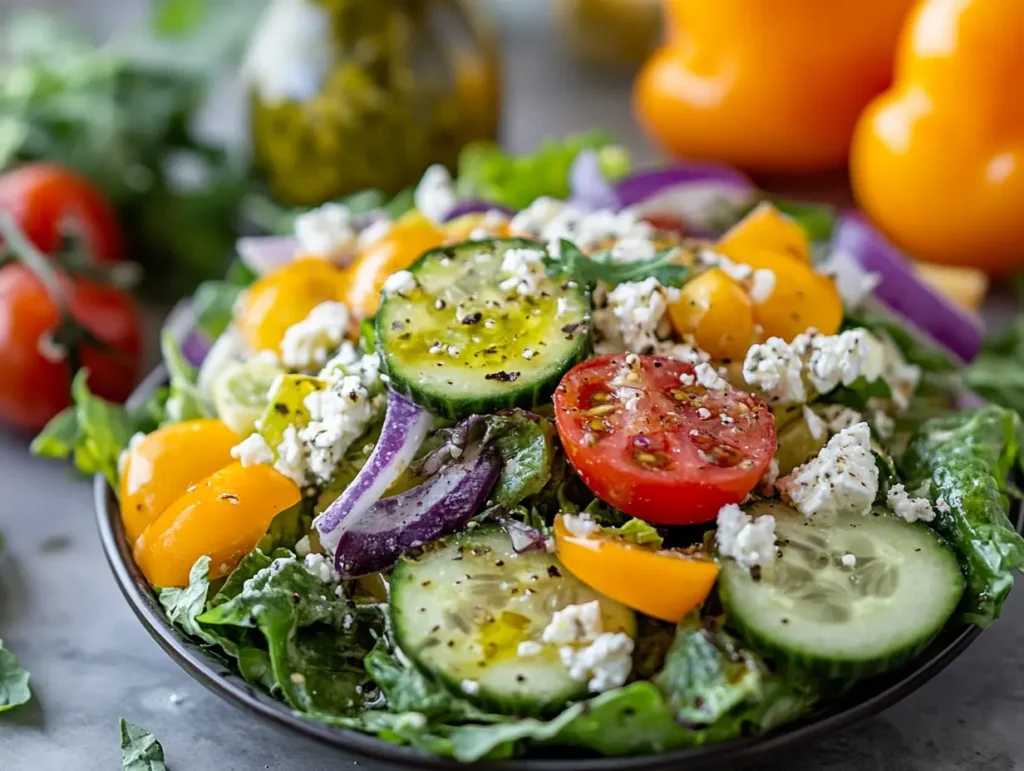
354, 94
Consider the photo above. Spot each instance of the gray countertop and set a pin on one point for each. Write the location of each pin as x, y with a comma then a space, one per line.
92, 662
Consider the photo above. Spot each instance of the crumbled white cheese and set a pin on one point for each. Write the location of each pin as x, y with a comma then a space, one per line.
837, 417
291, 456
708, 377
635, 317
850, 560
738, 272
525, 271
574, 624
633, 249
843, 358
629, 397
303, 547
762, 285
338, 414
853, 283
373, 233
321, 567
469, 687
349, 361
817, 426
883, 424
942, 505
311, 342
327, 232
603, 664
253, 451
773, 368
435, 194
751, 542
703, 413
842, 478
401, 283
580, 525
528, 648
907, 507
766, 486
533, 220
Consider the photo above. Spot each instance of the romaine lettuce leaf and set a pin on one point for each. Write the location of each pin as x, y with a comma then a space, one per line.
14, 689
140, 751
961, 463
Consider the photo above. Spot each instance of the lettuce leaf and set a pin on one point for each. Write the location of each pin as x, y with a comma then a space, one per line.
186, 401
14, 689
316, 641
526, 444
998, 371
961, 463
140, 751
588, 271
94, 432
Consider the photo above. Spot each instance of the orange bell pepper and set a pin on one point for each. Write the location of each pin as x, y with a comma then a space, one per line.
770, 86
938, 161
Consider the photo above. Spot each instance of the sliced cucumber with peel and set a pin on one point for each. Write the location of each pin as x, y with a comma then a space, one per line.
461, 610
459, 344
839, 620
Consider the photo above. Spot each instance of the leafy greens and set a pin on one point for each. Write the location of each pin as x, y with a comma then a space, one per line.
14, 689
140, 750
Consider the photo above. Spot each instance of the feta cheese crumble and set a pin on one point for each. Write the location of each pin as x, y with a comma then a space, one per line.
327, 232
634, 317
311, 342
321, 567
338, 415
708, 377
837, 417
253, 451
528, 648
349, 361
909, 508
580, 525
850, 560
525, 271
843, 478
601, 659
751, 542
401, 283
817, 426
435, 194
762, 285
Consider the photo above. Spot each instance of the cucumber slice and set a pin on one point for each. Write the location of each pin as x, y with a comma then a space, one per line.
839, 620
241, 392
461, 610
459, 344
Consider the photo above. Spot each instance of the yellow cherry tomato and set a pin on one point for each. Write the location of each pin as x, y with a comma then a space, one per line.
662, 583
765, 228
223, 516
285, 297
461, 229
717, 312
160, 468
799, 299
400, 247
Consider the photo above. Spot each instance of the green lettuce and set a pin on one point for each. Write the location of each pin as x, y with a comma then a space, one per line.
526, 445
14, 689
316, 641
998, 371
588, 271
637, 531
185, 401
962, 462
94, 432
140, 751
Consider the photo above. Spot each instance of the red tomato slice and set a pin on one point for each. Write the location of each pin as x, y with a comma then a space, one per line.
658, 447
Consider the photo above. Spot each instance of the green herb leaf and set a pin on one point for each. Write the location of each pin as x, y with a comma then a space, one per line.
998, 371
961, 462
589, 271
140, 751
489, 173
186, 401
637, 531
818, 220
526, 445
14, 689
213, 304
316, 640
94, 432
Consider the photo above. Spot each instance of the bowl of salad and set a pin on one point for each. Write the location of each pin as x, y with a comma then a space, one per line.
665, 471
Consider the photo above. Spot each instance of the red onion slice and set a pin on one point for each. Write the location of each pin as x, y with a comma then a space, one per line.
375, 538
263, 254
405, 427
524, 538
473, 206
181, 323
590, 189
901, 291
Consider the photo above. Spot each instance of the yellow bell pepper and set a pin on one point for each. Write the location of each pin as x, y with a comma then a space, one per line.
770, 86
938, 161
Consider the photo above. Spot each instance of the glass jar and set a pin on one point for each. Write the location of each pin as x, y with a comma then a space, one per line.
611, 31
355, 94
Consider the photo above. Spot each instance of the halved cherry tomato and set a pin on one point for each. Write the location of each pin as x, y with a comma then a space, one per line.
666, 222
285, 297
34, 387
159, 469
663, 583
649, 440
224, 516
410, 237
48, 201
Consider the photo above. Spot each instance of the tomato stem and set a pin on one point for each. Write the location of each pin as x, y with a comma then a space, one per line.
37, 262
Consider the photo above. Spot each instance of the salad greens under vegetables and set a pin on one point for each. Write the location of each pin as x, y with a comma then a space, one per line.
572, 478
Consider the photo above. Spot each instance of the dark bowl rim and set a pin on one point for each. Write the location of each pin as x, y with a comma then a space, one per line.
864, 701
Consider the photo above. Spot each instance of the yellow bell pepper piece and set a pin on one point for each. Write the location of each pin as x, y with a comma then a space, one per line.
938, 161
765, 228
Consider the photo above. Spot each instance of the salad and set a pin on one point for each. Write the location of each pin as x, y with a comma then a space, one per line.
659, 465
